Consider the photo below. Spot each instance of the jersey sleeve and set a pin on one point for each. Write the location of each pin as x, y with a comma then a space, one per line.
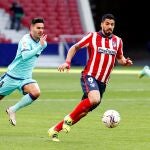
120, 49
26, 50
85, 41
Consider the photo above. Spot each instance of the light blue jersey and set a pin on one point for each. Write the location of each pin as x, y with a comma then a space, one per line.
20, 70
26, 58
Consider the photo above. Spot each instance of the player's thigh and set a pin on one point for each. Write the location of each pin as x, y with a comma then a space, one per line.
30, 86
8, 85
93, 88
88, 83
90, 88
97, 94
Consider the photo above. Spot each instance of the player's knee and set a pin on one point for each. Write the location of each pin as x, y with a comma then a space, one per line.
95, 100
94, 106
37, 94
94, 97
34, 95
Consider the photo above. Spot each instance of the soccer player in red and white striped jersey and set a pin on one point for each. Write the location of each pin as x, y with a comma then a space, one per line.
103, 49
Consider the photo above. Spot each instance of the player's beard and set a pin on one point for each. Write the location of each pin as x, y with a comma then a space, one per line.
108, 32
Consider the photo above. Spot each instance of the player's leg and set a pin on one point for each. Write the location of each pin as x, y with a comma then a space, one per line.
87, 104
91, 88
67, 122
83, 107
31, 91
7, 86
144, 71
53, 131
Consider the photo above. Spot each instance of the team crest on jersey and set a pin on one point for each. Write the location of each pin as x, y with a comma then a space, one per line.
24, 44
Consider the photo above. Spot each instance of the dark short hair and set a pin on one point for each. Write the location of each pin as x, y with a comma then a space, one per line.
37, 20
107, 16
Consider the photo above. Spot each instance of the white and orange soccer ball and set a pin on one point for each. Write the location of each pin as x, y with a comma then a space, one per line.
111, 118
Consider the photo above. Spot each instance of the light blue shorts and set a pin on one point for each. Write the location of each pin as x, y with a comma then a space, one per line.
9, 84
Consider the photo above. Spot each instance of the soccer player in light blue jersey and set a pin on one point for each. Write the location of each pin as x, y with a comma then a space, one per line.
19, 72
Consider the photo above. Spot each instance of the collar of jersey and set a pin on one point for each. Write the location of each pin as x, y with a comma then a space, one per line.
100, 32
33, 39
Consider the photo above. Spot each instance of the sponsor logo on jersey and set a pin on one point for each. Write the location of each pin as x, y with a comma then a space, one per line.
106, 51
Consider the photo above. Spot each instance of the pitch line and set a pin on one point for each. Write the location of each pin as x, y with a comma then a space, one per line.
53, 70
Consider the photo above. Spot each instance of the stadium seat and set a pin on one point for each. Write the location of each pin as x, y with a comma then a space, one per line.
3, 39
61, 16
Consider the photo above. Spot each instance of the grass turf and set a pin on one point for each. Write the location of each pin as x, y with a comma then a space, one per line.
60, 92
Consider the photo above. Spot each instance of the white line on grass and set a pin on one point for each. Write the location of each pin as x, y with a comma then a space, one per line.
45, 70
129, 90
108, 89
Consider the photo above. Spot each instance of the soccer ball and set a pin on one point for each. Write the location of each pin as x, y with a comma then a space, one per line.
111, 118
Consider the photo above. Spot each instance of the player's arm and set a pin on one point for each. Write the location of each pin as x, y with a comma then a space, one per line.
124, 61
27, 53
84, 42
120, 57
72, 51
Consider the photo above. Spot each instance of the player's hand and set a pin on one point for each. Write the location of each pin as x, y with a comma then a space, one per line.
43, 39
64, 66
128, 62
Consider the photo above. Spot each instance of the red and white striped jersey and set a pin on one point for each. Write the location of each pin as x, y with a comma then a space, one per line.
102, 52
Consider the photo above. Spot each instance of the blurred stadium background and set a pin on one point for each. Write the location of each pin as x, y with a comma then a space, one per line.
68, 20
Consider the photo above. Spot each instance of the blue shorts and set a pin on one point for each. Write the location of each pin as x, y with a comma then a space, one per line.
89, 83
8, 84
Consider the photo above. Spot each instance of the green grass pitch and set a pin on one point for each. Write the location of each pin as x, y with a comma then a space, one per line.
60, 92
